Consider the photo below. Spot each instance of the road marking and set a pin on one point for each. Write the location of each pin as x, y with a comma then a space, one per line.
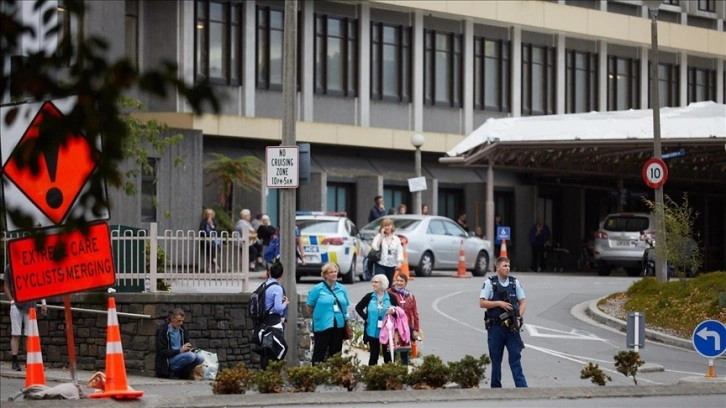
541, 331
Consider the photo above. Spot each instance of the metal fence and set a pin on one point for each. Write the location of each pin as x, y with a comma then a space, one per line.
188, 260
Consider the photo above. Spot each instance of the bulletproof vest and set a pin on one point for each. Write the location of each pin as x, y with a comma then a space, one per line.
498, 294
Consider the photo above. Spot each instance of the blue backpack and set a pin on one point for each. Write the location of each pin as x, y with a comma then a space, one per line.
272, 253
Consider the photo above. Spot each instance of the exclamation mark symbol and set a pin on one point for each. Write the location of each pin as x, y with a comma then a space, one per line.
54, 196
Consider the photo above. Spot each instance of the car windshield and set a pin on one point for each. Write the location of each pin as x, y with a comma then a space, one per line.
317, 226
627, 224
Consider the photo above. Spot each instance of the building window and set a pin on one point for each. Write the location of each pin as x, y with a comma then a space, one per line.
269, 48
668, 85
701, 85
580, 81
395, 196
450, 203
492, 65
672, 2
623, 83
707, 5
390, 62
442, 68
538, 80
340, 198
148, 192
336, 56
68, 39
217, 41
132, 32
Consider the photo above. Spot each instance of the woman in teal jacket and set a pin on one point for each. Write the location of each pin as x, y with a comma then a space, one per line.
372, 308
328, 304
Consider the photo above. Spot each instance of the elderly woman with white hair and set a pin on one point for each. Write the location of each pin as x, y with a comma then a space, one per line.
242, 225
373, 308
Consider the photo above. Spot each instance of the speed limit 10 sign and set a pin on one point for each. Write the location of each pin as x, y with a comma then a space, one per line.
655, 173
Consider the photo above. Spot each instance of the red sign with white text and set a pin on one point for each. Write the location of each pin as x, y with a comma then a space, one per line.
66, 262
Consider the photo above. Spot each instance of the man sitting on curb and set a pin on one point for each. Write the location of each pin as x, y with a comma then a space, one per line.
175, 356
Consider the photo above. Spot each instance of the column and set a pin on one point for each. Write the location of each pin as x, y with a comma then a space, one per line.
602, 79
364, 68
468, 76
306, 60
561, 68
683, 80
516, 76
249, 79
418, 62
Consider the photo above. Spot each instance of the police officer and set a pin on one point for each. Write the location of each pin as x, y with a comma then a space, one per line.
502, 296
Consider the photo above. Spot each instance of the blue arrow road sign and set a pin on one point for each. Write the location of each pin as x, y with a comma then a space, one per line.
709, 338
504, 233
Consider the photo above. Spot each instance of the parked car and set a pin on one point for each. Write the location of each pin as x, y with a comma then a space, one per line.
329, 237
621, 241
435, 242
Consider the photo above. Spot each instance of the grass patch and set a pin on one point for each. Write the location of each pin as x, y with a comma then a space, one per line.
678, 305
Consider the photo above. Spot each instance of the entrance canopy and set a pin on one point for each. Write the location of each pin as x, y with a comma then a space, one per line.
602, 143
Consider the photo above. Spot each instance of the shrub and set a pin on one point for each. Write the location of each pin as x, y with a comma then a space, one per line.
269, 381
306, 378
627, 363
595, 374
469, 372
234, 380
385, 377
432, 373
343, 370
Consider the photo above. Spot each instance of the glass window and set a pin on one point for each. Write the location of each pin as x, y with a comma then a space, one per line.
580, 81
148, 192
217, 52
395, 196
436, 227
450, 202
623, 83
707, 5
269, 48
668, 85
390, 62
701, 84
442, 68
538, 80
340, 198
336, 57
491, 74
132, 33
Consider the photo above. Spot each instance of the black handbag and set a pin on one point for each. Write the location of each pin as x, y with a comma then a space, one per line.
374, 255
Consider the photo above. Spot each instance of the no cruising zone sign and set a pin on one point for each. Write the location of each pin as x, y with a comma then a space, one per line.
282, 166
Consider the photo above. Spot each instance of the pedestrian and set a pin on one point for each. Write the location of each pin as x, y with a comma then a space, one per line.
328, 305
497, 240
425, 209
372, 309
242, 225
265, 233
378, 210
502, 294
276, 304
407, 301
539, 239
391, 256
19, 316
478, 232
208, 229
462, 222
175, 356
402, 208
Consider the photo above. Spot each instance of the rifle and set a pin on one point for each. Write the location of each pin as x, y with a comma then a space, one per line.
512, 320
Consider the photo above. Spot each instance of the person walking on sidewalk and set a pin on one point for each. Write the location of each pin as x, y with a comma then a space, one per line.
328, 305
391, 249
19, 316
372, 308
502, 295
175, 355
407, 301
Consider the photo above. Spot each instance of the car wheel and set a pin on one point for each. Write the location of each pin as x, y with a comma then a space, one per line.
349, 277
603, 269
482, 264
425, 265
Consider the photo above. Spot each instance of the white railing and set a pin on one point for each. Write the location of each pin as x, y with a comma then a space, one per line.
190, 261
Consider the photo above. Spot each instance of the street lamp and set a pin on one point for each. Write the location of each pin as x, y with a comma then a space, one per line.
417, 140
661, 273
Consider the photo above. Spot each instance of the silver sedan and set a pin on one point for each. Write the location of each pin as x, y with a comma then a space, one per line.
435, 242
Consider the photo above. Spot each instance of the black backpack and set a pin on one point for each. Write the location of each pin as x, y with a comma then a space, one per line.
256, 307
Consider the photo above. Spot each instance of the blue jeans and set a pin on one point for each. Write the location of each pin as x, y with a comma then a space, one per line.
386, 270
499, 337
182, 364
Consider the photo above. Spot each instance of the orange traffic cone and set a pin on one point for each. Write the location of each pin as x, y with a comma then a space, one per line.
503, 249
461, 269
404, 266
35, 373
414, 349
116, 383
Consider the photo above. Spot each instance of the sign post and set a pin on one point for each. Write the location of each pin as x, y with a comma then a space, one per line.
709, 340
635, 331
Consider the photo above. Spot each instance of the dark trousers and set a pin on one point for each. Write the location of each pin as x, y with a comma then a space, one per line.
538, 258
498, 338
386, 270
376, 351
327, 343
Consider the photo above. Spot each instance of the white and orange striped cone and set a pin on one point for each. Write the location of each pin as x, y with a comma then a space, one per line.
503, 249
34, 371
405, 270
117, 385
461, 269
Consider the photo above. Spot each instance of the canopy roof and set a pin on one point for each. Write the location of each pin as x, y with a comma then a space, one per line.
602, 143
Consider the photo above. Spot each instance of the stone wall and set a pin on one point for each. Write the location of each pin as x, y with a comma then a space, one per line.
216, 322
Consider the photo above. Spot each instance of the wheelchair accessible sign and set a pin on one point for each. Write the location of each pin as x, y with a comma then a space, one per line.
709, 338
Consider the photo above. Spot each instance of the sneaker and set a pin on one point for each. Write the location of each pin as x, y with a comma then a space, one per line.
16, 366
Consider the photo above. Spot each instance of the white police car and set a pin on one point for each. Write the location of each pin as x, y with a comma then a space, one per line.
328, 237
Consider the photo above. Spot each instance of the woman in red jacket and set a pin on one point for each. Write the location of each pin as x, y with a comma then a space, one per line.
407, 301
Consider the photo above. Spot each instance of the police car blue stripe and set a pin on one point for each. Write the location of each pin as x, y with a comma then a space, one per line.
324, 257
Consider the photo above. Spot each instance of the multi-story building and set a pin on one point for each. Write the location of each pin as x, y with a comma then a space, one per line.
373, 72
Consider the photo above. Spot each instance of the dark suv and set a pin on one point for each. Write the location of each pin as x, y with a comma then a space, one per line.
618, 242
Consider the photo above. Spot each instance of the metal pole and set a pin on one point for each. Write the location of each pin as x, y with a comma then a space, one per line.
417, 194
660, 232
288, 195
70, 340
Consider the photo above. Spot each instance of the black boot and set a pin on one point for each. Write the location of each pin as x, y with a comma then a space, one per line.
16, 365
